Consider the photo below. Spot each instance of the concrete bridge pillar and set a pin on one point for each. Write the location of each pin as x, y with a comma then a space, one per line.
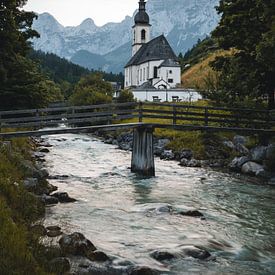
143, 152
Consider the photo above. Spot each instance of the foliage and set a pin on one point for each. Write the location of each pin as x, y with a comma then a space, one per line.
92, 90
65, 73
200, 51
247, 26
18, 210
125, 96
21, 83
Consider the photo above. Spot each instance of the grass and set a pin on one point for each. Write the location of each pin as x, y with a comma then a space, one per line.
197, 141
18, 210
199, 75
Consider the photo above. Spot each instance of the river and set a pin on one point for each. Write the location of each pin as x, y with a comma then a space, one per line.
121, 213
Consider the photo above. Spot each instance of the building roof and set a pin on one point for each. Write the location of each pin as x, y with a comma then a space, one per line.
169, 63
157, 49
142, 17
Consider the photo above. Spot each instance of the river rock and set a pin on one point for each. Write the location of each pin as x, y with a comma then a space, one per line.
44, 150
238, 162
192, 213
48, 200
258, 154
97, 256
190, 163
229, 144
159, 146
53, 231
186, 154
76, 244
31, 184
242, 149
59, 265
240, 140
167, 155
63, 197
195, 252
143, 270
162, 256
252, 168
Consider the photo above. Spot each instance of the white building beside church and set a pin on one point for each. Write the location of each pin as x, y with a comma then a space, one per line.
154, 64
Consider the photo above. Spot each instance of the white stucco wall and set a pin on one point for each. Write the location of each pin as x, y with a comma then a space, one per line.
137, 41
167, 95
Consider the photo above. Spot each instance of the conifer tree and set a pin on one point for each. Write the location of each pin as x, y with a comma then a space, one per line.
20, 79
248, 27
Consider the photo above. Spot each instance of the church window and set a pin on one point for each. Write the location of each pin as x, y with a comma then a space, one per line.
143, 34
140, 74
134, 36
170, 72
155, 72
170, 80
143, 73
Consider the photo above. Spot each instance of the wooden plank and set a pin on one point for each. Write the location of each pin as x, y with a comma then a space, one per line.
66, 115
89, 129
65, 109
202, 108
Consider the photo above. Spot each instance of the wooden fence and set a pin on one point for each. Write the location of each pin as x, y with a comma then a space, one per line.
159, 113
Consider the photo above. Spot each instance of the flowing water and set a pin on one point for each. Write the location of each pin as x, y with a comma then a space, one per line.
123, 215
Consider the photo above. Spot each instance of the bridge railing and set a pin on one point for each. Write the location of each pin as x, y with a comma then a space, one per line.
103, 113
207, 116
162, 113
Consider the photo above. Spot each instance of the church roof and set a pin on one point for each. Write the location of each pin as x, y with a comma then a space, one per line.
170, 63
157, 49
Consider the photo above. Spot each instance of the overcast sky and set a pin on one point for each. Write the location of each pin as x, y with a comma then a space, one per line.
73, 12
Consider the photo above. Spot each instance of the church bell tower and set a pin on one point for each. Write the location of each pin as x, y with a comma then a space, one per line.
141, 29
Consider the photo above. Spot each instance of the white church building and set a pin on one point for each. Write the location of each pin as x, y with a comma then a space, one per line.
154, 64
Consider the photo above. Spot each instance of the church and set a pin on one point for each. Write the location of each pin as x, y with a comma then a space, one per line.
153, 63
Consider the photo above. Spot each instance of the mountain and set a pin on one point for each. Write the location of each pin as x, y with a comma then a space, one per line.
182, 21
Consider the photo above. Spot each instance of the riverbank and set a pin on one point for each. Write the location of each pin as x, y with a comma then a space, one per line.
228, 153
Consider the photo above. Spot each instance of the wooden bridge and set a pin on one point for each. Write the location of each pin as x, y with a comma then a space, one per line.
144, 117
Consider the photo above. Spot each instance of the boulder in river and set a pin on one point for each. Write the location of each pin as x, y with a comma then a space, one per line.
192, 213
97, 256
258, 154
76, 244
238, 162
53, 231
162, 256
143, 270
252, 168
195, 252
167, 155
44, 150
63, 197
186, 154
48, 200
240, 140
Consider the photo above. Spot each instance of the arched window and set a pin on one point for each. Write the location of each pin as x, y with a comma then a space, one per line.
143, 35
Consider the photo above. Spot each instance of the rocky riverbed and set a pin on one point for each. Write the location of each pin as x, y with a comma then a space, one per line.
258, 161
182, 220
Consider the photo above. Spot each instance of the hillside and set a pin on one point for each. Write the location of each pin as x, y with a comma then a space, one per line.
183, 22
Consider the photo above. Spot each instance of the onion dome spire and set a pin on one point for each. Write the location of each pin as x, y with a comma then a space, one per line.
142, 17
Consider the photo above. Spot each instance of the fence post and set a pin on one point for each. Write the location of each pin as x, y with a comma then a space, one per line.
206, 115
140, 112
174, 115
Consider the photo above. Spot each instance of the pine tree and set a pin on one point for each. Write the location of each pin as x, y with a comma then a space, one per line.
21, 82
248, 27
